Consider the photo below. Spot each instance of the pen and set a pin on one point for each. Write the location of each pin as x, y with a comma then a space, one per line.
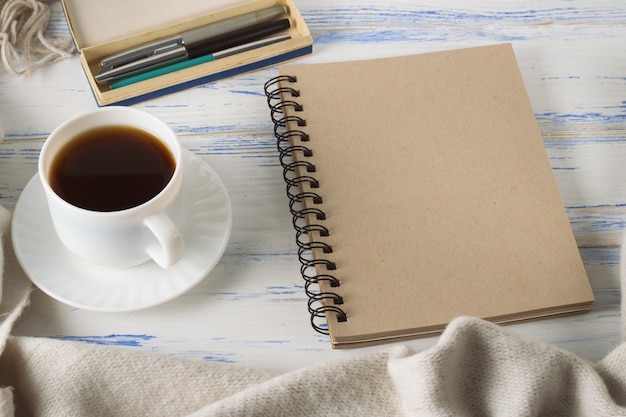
196, 61
211, 45
192, 37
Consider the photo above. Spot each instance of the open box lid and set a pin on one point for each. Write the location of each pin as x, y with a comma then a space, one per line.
104, 28
93, 22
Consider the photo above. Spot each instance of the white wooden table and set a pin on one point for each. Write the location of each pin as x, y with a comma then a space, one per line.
251, 309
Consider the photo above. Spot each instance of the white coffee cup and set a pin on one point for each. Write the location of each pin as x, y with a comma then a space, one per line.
125, 237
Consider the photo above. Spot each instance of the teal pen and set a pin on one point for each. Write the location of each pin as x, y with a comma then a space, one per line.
168, 69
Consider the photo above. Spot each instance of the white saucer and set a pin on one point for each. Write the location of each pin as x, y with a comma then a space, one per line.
69, 279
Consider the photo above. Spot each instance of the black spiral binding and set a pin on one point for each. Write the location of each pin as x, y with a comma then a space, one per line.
307, 220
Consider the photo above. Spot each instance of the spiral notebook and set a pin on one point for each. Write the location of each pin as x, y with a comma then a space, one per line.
421, 190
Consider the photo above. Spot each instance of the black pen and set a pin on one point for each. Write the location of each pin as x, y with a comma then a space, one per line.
182, 53
126, 81
192, 37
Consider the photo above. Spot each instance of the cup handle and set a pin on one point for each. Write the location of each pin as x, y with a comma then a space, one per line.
171, 247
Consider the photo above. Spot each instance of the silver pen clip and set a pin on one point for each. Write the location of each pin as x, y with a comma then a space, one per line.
158, 59
141, 52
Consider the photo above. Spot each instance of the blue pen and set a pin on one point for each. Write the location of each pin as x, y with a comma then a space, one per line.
196, 61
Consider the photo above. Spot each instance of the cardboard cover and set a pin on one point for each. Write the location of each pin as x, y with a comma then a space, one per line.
438, 194
95, 21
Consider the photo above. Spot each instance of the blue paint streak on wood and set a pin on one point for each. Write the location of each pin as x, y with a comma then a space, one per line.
134, 340
607, 256
599, 206
272, 292
221, 359
251, 93
384, 24
591, 220
596, 117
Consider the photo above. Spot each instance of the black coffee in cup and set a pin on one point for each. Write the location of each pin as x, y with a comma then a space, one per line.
111, 168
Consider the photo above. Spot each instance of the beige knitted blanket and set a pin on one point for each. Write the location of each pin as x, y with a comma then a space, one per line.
475, 369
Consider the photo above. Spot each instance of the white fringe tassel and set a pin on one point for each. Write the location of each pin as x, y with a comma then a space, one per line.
23, 43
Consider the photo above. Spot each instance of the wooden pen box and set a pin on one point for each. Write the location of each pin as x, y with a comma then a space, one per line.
104, 28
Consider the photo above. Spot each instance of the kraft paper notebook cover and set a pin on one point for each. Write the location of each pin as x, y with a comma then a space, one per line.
421, 190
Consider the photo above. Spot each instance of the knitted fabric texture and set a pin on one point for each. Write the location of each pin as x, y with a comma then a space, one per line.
475, 369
